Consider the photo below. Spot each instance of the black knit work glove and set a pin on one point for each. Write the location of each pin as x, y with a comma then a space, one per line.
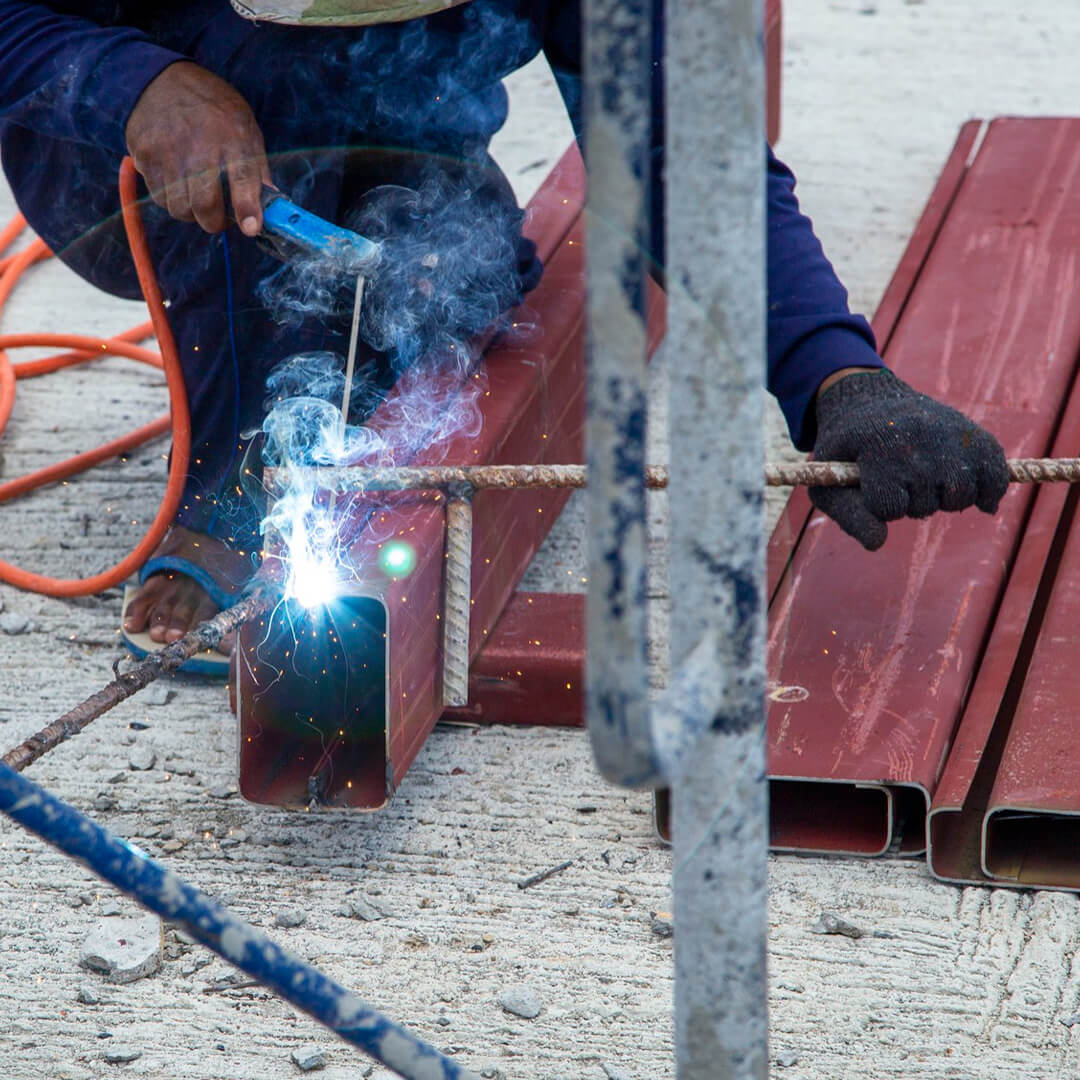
915, 456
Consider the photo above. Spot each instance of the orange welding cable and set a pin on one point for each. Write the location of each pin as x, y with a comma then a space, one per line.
31, 369
86, 348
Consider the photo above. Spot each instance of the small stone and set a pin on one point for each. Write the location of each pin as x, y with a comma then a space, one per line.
487, 939
171, 847
158, 694
787, 1059
1071, 1021
87, 996
195, 965
356, 908
222, 791
13, 623
290, 917
308, 1058
142, 758
121, 1055
112, 907
521, 1001
661, 924
614, 1073
124, 949
828, 923
104, 802
443, 1021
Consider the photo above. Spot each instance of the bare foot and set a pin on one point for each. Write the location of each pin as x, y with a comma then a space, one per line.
170, 603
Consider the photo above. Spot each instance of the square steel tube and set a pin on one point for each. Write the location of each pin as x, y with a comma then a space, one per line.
872, 655
533, 411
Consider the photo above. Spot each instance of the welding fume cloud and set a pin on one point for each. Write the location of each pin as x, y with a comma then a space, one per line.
452, 263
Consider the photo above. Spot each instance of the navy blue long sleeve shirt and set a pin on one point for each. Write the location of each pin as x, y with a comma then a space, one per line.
74, 69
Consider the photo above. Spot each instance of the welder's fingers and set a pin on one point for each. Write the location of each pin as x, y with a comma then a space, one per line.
207, 200
155, 184
177, 202
848, 508
247, 171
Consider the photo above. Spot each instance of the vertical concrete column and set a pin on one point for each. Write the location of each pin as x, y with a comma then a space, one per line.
617, 74
715, 178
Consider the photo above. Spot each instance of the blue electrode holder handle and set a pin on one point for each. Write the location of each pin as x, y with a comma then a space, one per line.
291, 232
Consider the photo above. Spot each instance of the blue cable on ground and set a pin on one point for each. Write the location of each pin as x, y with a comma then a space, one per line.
238, 942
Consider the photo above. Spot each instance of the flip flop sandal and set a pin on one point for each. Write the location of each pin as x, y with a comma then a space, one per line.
223, 594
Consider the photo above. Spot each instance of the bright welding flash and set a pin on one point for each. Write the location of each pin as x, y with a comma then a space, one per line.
397, 559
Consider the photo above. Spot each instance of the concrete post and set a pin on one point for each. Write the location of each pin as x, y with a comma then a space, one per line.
716, 350
706, 735
617, 65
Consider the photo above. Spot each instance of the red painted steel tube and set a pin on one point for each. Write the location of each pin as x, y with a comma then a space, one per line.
956, 821
872, 655
1031, 823
532, 668
533, 411
774, 64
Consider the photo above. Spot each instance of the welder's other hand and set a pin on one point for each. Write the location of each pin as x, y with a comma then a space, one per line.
186, 130
915, 456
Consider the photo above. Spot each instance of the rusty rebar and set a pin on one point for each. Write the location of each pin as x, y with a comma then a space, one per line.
457, 596
506, 477
204, 636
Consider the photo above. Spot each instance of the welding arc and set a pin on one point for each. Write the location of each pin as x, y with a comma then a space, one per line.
140, 675
83, 349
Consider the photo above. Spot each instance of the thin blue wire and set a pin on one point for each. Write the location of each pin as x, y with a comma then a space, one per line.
231, 315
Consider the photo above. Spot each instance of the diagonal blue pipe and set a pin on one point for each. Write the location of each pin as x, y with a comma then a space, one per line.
238, 942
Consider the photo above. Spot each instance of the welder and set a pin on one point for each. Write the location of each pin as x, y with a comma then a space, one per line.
215, 101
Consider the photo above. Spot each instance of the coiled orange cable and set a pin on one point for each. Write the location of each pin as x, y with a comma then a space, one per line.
83, 349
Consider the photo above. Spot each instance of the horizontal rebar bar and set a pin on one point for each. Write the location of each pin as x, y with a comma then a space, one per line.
505, 477
204, 636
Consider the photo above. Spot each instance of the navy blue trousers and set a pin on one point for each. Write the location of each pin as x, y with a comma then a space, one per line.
330, 103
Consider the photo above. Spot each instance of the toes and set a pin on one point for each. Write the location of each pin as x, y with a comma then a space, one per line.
180, 619
160, 619
140, 611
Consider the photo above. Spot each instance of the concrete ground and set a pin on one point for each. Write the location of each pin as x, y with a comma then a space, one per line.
970, 982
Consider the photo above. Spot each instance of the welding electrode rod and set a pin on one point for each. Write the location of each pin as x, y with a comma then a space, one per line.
205, 636
350, 363
804, 473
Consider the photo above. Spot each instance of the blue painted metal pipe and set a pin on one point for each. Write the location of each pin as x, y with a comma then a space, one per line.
238, 942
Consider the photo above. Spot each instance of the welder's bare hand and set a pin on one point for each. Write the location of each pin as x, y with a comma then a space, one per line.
189, 132
915, 456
